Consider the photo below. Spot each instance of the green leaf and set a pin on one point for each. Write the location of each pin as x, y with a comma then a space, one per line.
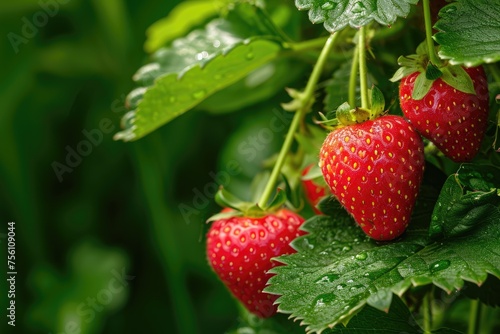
469, 32
259, 85
468, 199
179, 21
337, 14
337, 269
174, 94
197, 66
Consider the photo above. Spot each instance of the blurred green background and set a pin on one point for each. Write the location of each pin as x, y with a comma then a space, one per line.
101, 245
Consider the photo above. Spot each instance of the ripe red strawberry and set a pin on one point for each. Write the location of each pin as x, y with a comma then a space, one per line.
453, 120
314, 191
375, 169
240, 249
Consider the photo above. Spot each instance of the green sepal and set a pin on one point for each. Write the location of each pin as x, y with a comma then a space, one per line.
421, 87
278, 201
227, 200
327, 122
432, 72
409, 65
248, 209
458, 78
348, 116
412, 63
224, 215
377, 102
292, 195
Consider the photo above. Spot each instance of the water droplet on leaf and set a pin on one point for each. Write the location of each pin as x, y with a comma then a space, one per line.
358, 9
328, 278
439, 265
361, 256
324, 299
199, 94
327, 5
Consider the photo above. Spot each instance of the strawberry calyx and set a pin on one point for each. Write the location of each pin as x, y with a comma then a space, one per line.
346, 115
235, 207
453, 75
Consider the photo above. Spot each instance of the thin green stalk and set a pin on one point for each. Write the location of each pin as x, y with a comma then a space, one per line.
427, 312
353, 76
474, 317
363, 71
428, 34
309, 44
306, 98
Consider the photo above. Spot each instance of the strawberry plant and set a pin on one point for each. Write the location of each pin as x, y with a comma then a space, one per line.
401, 200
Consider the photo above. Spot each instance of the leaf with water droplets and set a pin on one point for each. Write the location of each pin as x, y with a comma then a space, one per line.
197, 66
337, 14
468, 199
330, 282
157, 106
469, 32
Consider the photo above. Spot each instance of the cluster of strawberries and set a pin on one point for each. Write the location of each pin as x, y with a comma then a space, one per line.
373, 168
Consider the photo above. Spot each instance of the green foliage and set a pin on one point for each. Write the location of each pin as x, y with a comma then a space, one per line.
336, 15
469, 32
226, 67
337, 269
469, 198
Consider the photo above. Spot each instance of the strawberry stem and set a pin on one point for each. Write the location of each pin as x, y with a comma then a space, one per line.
352, 78
474, 316
307, 45
427, 312
363, 71
428, 35
307, 98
